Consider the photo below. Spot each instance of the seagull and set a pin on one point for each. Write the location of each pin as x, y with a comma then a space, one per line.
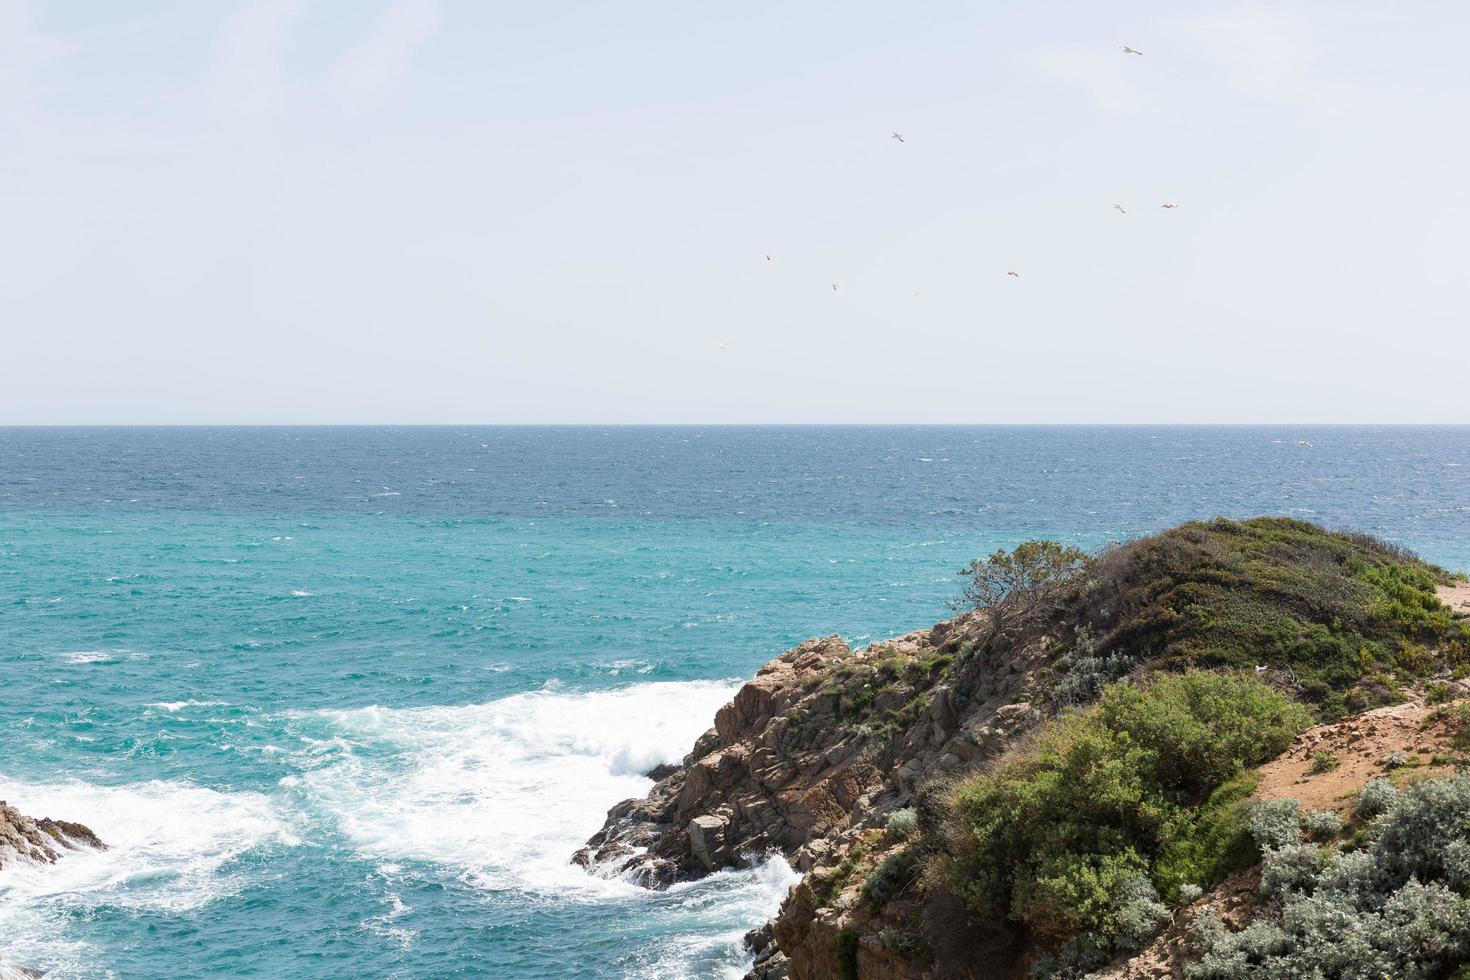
898, 136
1304, 444
834, 287
768, 256
1016, 274
1128, 50
1119, 209
1166, 205
719, 343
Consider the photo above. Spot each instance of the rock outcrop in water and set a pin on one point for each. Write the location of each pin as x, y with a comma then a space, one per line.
40, 840
818, 754
808, 760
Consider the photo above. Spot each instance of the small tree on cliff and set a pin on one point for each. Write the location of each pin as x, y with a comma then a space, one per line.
1009, 587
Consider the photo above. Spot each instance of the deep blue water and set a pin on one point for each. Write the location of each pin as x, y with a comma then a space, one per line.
344, 700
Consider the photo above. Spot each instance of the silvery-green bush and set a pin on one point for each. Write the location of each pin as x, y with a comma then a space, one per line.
1322, 824
1376, 797
1291, 869
1275, 823
1139, 912
902, 823
1423, 834
1393, 909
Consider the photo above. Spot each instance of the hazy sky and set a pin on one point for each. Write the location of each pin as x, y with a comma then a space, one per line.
466, 211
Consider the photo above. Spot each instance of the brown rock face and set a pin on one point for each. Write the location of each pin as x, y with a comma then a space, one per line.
771, 775
37, 840
808, 760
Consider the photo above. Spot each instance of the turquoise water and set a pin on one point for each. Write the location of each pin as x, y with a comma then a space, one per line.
344, 701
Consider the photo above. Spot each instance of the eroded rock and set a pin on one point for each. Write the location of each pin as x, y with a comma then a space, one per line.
41, 840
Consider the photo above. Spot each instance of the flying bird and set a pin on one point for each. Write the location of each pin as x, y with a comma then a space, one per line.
1128, 50
1016, 274
898, 136
720, 344
1119, 209
834, 287
1168, 205
768, 256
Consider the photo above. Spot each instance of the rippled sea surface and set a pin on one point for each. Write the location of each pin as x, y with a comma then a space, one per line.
344, 700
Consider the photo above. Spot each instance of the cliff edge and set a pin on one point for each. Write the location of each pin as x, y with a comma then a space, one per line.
947, 794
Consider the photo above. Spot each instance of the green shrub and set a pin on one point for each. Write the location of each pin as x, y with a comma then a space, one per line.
1324, 761
902, 824
903, 943
890, 877
1211, 840
1123, 793
1010, 587
1395, 760
1344, 614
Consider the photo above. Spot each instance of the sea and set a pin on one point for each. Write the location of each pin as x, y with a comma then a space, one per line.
343, 701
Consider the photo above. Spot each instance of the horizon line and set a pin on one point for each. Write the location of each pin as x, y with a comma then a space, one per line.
715, 425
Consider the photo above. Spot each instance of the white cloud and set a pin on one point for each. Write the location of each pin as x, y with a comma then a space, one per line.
384, 53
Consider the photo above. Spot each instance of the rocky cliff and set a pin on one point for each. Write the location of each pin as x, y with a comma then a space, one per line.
832, 757
809, 760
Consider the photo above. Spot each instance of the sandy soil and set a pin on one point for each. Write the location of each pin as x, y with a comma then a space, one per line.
1457, 597
1361, 744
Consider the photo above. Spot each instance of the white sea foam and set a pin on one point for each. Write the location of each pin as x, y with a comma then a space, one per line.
713, 915
92, 656
168, 844
502, 792
301, 593
176, 706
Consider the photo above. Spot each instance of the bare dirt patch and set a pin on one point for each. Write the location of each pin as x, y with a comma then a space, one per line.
1457, 597
1361, 747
